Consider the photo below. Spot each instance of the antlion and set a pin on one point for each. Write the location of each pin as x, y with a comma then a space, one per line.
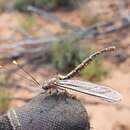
64, 82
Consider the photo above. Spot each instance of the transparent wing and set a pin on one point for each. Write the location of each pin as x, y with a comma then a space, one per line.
103, 92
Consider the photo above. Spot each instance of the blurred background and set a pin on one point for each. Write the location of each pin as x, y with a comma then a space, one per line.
47, 37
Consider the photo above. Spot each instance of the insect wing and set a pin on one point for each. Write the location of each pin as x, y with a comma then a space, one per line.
103, 92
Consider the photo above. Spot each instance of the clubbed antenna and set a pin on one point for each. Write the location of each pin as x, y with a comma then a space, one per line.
33, 79
86, 62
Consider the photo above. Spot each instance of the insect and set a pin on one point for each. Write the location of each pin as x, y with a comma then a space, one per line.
64, 82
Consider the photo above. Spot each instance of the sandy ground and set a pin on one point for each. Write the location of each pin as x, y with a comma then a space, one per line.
111, 117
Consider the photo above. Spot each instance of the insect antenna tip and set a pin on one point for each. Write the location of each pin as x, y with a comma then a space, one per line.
14, 62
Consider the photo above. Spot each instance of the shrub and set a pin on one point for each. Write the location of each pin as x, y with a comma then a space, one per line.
20, 4
53, 4
46, 4
66, 56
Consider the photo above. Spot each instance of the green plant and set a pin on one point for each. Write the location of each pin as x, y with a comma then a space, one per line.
66, 56
53, 4
4, 100
20, 4
46, 4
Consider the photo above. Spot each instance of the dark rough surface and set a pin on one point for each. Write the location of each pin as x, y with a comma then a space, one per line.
53, 112
4, 123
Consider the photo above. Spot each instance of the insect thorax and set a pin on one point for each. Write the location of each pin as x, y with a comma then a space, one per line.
49, 84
